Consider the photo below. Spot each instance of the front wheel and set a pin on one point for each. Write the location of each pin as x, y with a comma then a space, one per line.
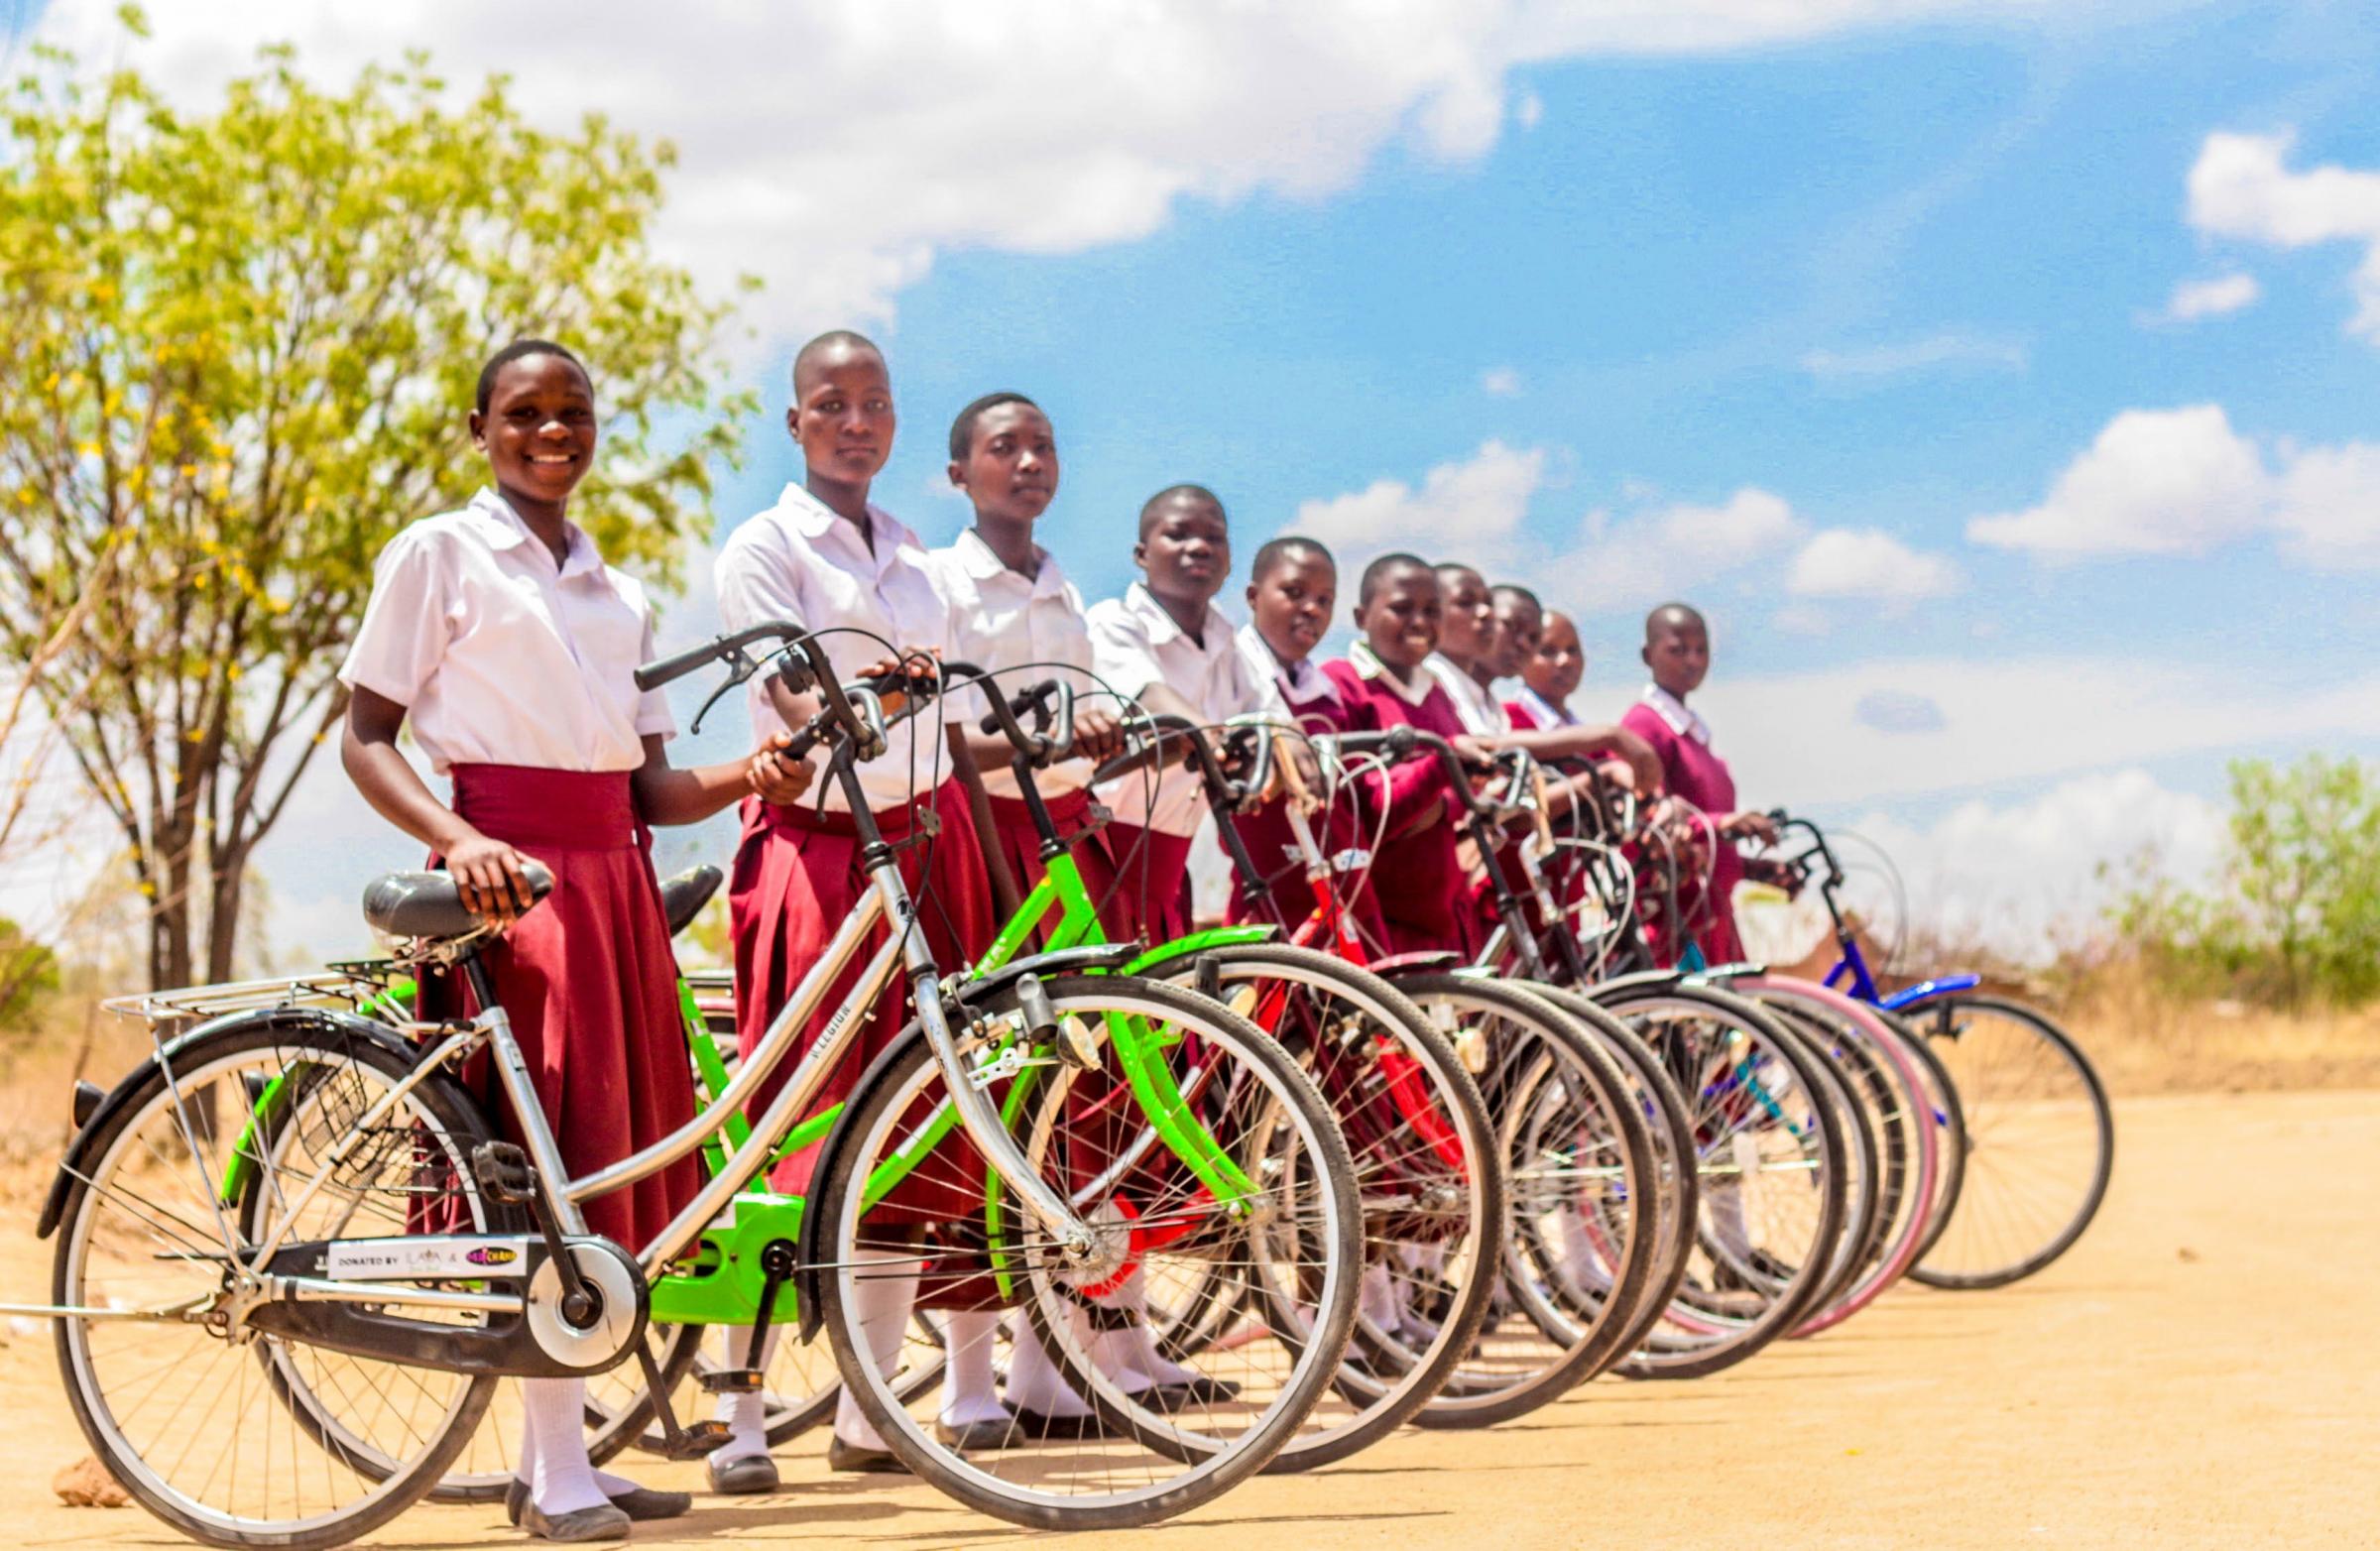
1097, 1429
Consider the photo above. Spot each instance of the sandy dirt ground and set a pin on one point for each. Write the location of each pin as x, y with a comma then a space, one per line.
2200, 1371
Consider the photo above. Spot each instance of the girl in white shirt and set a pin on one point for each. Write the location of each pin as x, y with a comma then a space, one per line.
828, 558
1165, 644
512, 646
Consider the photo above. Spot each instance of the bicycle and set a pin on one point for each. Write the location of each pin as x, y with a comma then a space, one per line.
213, 1247
2027, 1092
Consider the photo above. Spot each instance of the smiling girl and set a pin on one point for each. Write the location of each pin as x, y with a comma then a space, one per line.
500, 634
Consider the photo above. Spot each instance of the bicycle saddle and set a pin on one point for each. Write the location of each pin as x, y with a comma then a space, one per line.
683, 897
430, 904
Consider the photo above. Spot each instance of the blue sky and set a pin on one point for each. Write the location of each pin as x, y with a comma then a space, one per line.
1859, 283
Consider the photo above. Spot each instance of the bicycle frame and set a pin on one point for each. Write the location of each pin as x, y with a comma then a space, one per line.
1850, 974
905, 950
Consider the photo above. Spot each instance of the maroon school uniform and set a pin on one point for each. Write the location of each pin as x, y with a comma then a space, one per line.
1416, 881
796, 874
1306, 695
1691, 771
516, 673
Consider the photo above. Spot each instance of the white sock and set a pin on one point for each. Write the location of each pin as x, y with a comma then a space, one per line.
967, 1394
1379, 1298
1132, 1352
883, 1297
554, 1424
524, 1469
746, 1415
1034, 1382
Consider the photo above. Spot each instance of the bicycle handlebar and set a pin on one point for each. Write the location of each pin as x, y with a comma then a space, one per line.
1050, 703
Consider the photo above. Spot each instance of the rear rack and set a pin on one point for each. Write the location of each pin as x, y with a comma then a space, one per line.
335, 988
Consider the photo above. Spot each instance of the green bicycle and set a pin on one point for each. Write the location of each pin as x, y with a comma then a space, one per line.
263, 1345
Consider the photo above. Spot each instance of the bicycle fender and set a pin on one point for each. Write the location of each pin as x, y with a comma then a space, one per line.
1199, 942
71, 1166
1086, 959
1641, 980
1928, 990
1419, 961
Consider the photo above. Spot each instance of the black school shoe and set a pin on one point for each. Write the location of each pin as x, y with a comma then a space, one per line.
604, 1522
1041, 1427
743, 1475
640, 1503
1200, 1391
841, 1456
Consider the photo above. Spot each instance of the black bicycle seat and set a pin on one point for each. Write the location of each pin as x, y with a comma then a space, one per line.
430, 904
683, 897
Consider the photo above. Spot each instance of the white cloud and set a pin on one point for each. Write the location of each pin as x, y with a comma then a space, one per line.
1473, 507
1500, 381
2241, 186
1867, 563
1799, 738
835, 149
2330, 507
2154, 482
1629, 561
2196, 298
2024, 877
1948, 351
1529, 112
2184, 481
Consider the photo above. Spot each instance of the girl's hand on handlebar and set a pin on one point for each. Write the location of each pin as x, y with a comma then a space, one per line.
1750, 825
1644, 764
1097, 733
488, 875
774, 776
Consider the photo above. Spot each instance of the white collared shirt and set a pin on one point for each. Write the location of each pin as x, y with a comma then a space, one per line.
1368, 662
1134, 644
798, 560
1682, 721
999, 619
1483, 715
1281, 685
1543, 711
501, 656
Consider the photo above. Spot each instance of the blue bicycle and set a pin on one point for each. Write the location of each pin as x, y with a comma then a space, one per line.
2038, 1139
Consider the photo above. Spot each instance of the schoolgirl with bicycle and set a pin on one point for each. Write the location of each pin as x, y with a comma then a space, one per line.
498, 631
829, 556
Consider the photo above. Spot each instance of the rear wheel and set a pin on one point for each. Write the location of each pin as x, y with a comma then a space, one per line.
225, 1436
2040, 1141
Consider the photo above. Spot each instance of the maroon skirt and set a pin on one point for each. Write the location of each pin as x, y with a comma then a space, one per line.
589, 984
1150, 899
1020, 844
798, 877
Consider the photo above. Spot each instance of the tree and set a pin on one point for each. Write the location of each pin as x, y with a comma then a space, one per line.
2295, 915
2305, 860
241, 348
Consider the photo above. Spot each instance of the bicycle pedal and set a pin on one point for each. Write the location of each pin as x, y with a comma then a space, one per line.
694, 1440
503, 1172
732, 1382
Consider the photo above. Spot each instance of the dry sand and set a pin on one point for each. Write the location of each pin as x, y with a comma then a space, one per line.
2200, 1371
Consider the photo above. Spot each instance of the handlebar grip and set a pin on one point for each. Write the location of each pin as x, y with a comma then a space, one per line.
662, 670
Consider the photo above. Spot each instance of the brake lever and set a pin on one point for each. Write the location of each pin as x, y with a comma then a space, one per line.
741, 667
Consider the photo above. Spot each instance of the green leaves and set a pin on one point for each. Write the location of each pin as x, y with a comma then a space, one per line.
2295, 917
246, 344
